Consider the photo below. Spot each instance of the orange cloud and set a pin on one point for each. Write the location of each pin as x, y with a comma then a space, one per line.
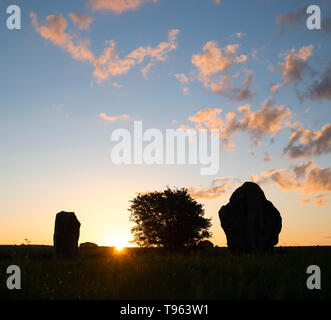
214, 64
307, 143
108, 63
267, 120
114, 118
186, 91
116, 6
296, 64
306, 178
55, 31
182, 78
275, 87
312, 181
219, 186
83, 21
214, 60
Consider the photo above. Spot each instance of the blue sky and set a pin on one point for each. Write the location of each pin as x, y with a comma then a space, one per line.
55, 148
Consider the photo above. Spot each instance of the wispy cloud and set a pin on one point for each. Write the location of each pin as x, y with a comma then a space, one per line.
114, 118
307, 143
218, 187
307, 179
116, 6
109, 63
117, 85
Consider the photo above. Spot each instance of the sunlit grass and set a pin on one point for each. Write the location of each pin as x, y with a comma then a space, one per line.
144, 274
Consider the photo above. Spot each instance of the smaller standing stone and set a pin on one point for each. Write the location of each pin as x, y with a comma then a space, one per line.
66, 235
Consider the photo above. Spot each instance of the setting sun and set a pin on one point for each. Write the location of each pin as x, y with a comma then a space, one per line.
119, 244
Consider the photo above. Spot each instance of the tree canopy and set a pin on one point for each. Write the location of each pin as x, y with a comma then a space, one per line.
171, 219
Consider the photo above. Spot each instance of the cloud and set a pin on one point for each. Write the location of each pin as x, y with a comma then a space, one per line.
55, 31
182, 78
117, 85
326, 25
307, 179
214, 65
114, 118
219, 186
296, 64
301, 169
109, 62
214, 60
275, 87
186, 91
318, 179
266, 157
83, 21
312, 182
292, 18
319, 200
299, 18
116, 6
268, 120
307, 143
240, 34
321, 89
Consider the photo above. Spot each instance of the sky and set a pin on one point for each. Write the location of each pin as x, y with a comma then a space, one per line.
78, 70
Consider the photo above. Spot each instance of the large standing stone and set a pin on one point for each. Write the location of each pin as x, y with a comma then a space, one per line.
66, 235
250, 222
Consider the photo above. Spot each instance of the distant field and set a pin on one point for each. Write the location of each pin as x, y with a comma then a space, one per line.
102, 273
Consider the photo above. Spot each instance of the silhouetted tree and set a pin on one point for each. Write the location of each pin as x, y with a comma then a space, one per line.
171, 219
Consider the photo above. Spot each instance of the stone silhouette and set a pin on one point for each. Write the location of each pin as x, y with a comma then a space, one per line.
88, 245
205, 244
251, 222
66, 235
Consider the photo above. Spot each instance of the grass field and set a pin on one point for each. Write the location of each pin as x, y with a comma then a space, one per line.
101, 273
